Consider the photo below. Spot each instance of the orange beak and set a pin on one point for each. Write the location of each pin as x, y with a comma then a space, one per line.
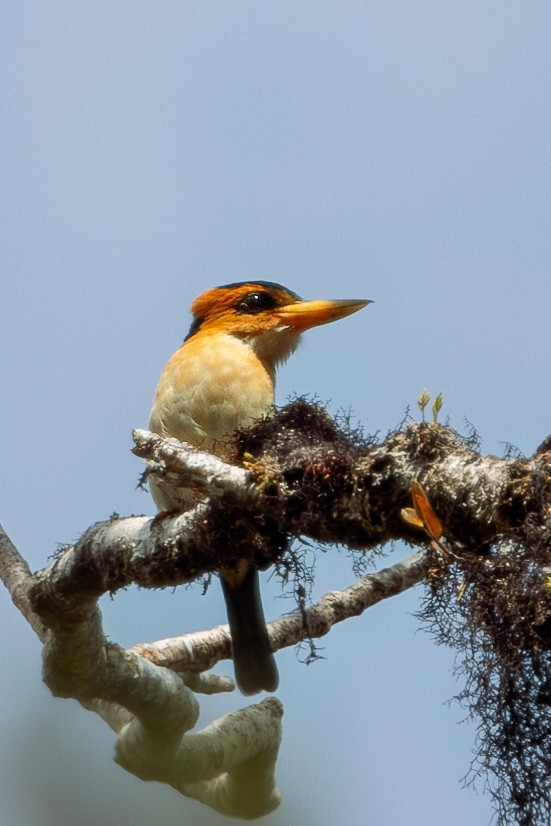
305, 314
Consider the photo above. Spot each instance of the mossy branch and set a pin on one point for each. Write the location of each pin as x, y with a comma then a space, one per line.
299, 474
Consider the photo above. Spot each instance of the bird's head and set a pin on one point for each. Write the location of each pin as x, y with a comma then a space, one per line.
268, 317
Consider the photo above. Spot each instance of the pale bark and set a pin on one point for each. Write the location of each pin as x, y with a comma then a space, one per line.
331, 491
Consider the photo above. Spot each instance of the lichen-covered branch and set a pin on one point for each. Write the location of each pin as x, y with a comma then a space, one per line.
304, 478
298, 474
230, 765
183, 465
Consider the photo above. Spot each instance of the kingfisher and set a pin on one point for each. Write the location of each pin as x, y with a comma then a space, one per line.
223, 378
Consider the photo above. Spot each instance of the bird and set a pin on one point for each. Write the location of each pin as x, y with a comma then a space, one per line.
223, 378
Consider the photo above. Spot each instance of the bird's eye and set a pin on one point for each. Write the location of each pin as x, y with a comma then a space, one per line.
256, 302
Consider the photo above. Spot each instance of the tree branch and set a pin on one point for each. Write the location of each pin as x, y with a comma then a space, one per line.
230, 765
184, 465
302, 476
16, 576
325, 488
190, 651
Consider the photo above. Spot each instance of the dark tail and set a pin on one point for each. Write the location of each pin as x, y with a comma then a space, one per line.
253, 661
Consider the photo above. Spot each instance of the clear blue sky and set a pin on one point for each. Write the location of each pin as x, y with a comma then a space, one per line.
395, 151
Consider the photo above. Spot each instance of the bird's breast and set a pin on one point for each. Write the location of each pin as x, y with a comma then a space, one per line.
213, 384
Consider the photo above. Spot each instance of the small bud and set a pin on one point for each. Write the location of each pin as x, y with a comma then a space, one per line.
437, 406
422, 402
